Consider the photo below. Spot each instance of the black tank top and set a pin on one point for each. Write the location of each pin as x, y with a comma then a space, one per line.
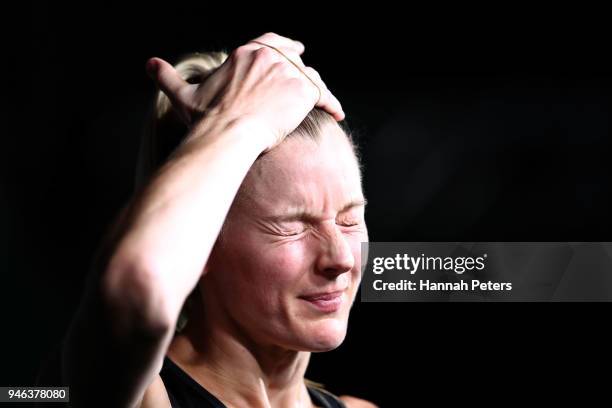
185, 392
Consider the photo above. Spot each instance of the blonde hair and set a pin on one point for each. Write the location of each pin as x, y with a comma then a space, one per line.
164, 132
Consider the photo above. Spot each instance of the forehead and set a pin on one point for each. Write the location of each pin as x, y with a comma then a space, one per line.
302, 174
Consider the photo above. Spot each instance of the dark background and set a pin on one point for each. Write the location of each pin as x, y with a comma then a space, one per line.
490, 125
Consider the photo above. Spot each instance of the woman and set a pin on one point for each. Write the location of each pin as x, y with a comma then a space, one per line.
256, 218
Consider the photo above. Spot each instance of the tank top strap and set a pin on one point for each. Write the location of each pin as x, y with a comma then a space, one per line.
183, 390
324, 398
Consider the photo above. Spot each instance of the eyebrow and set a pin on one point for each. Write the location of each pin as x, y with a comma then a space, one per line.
301, 214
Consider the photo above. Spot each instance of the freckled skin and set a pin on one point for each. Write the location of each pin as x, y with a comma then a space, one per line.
261, 266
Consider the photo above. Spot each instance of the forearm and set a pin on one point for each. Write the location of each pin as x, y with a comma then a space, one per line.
150, 263
174, 223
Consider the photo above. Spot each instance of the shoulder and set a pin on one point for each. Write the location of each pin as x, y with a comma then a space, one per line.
353, 402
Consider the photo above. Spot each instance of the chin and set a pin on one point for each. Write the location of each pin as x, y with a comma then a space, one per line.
325, 335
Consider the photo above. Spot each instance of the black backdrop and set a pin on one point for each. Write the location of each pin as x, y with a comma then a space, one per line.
489, 128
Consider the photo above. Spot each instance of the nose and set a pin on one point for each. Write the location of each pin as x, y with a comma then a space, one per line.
336, 256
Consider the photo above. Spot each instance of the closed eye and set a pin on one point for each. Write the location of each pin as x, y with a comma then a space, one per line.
293, 231
291, 234
348, 224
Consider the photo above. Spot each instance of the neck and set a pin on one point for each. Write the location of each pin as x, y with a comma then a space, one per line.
235, 368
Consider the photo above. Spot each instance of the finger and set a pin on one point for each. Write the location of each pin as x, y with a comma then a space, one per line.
210, 88
287, 53
327, 100
332, 105
281, 42
313, 74
167, 79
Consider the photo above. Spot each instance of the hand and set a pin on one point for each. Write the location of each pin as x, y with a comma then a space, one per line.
255, 83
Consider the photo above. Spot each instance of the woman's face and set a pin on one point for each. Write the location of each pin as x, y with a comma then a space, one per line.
294, 231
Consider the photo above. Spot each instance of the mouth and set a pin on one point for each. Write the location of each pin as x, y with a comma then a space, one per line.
325, 302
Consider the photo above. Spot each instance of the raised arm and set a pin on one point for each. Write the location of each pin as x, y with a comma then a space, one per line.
159, 246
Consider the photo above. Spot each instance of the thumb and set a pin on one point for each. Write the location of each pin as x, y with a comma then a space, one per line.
166, 78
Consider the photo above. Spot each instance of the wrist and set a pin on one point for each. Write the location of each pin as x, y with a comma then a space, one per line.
248, 130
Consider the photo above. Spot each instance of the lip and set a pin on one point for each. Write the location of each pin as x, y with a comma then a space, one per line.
325, 301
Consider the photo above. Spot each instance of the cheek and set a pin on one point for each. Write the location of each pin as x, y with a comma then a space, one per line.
264, 271
281, 265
